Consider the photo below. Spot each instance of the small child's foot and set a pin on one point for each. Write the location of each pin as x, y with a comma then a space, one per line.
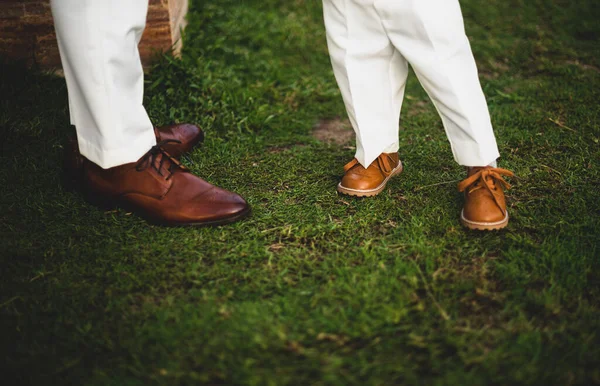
485, 205
371, 181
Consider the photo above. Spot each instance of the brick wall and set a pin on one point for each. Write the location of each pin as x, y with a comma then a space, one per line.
27, 32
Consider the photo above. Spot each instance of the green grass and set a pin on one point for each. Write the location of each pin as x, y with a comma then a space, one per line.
315, 288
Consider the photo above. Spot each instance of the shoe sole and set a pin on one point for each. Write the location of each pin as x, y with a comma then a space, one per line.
370, 192
483, 226
212, 223
111, 204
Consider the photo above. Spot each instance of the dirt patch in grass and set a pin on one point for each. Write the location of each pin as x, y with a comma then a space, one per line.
416, 107
493, 69
282, 149
334, 131
583, 65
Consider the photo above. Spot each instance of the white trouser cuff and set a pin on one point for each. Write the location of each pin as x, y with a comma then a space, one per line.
115, 157
393, 148
472, 154
366, 157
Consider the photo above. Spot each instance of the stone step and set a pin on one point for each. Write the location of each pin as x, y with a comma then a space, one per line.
27, 31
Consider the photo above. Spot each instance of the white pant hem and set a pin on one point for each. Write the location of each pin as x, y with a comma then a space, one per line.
115, 157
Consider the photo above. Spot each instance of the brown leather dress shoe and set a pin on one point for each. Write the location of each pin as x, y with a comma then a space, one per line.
160, 189
188, 136
368, 182
485, 205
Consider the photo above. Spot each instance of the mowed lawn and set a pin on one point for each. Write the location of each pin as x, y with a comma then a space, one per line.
315, 288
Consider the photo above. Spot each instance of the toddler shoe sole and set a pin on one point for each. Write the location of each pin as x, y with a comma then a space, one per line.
483, 226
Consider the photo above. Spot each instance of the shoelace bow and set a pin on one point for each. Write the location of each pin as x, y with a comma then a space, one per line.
385, 164
150, 158
486, 178
350, 164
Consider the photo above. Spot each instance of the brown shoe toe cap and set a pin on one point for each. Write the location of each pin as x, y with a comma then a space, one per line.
358, 182
190, 133
482, 211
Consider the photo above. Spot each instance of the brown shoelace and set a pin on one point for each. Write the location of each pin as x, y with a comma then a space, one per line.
157, 154
487, 178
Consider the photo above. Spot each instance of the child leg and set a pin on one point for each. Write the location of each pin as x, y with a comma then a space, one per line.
430, 35
370, 72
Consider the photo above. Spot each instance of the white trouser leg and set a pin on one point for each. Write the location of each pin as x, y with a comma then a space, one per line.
430, 35
98, 42
371, 75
